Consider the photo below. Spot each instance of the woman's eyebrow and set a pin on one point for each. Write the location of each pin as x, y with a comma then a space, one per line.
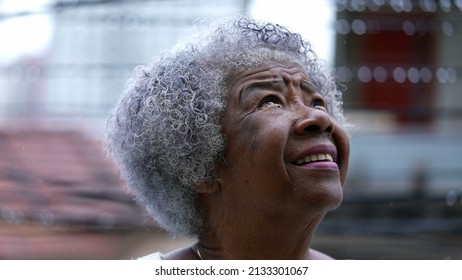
275, 85
269, 84
308, 87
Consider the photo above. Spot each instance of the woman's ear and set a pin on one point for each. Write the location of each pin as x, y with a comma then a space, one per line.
210, 186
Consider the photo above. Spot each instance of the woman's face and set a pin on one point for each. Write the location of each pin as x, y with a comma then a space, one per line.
284, 151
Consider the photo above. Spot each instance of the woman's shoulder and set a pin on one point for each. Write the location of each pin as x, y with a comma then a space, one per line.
179, 254
185, 254
152, 256
316, 255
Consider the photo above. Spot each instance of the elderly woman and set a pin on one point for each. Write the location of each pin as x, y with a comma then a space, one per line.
237, 138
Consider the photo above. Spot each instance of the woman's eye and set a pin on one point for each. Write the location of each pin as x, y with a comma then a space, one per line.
270, 100
319, 104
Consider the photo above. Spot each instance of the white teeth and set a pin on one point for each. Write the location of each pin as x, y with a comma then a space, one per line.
329, 157
315, 157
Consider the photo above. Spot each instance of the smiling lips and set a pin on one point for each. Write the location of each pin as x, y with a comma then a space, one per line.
319, 157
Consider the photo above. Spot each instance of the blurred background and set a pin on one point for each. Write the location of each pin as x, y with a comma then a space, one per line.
63, 64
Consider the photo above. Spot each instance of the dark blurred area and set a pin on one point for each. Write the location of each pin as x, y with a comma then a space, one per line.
398, 62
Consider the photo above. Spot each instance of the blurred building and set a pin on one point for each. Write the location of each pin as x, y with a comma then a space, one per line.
61, 198
93, 50
400, 64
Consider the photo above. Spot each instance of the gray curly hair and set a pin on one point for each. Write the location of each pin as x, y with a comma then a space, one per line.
166, 133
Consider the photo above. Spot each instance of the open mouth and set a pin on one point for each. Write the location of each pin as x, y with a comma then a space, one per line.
314, 158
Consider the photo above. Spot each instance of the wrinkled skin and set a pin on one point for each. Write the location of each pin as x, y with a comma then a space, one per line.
265, 204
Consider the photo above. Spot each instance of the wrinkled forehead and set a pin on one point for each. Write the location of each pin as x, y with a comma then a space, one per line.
285, 72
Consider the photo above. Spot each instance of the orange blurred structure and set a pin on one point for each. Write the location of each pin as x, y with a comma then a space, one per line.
61, 198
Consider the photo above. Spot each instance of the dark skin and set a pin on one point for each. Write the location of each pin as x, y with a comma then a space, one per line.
267, 201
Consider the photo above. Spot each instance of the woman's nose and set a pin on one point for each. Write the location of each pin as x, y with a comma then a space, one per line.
314, 121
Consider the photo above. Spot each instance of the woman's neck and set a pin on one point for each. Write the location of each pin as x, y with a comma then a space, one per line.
255, 236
